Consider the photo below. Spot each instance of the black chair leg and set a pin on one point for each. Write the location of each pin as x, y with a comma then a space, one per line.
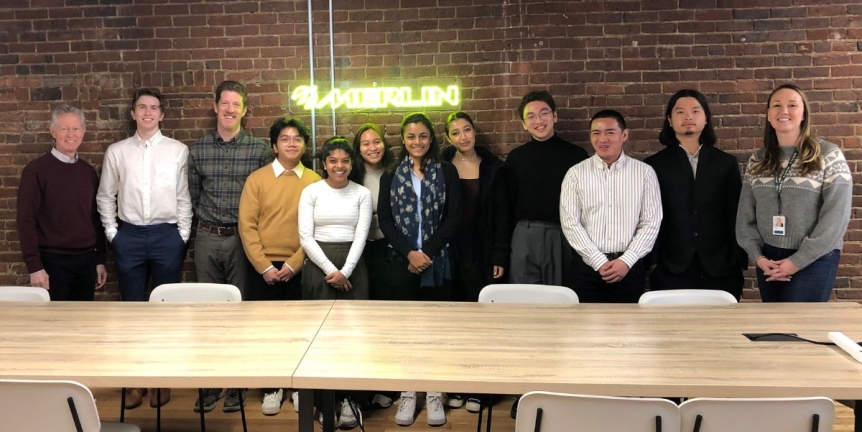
159, 410
123, 405
481, 409
857, 414
242, 408
490, 410
203, 422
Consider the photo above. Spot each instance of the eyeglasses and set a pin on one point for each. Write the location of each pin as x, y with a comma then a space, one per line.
544, 115
285, 139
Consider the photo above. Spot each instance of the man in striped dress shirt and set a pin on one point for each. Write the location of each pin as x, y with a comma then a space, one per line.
610, 212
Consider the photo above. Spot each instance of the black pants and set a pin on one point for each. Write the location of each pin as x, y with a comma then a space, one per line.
590, 287
390, 279
694, 277
258, 289
70, 277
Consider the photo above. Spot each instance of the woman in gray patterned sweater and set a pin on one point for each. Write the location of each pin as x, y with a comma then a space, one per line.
795, 204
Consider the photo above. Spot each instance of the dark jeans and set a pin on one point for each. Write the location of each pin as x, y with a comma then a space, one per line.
814, 283
694, 277
590, 287
258, 289
70, 277
144, 251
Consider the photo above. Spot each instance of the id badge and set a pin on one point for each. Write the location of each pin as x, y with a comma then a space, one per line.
779, 224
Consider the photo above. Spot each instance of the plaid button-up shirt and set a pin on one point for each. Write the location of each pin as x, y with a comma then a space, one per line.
217, 173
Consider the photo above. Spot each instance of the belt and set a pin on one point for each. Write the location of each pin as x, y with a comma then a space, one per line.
614, 255
225, 231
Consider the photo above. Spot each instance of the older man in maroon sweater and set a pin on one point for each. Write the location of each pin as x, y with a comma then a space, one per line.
58, 225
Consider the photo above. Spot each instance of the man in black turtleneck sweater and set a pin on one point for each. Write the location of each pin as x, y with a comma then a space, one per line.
534, 175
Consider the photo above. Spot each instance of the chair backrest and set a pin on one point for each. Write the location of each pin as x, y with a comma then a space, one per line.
687, 297
24, 294
756, 415
569, 412
195, 292
527, 293
44, 406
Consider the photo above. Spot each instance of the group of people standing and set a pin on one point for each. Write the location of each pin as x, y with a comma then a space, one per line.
427, 224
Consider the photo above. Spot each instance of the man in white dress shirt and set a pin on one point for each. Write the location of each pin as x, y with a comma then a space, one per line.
144, 184
610, 212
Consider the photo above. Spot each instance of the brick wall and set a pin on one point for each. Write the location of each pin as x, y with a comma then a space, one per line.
629, 55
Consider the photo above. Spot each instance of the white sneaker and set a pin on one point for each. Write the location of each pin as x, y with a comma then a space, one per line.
272, 402
434, 409
406, 414
294, 397
473, 405
347, 420
381, 401
454, 401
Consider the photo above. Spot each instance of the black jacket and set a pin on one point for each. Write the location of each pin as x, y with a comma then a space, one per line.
445, 233
493, 240
699, 213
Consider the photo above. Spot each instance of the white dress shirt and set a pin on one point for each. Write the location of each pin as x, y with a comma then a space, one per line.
611, 209
145, 183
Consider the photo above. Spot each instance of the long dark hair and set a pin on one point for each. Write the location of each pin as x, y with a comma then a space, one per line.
668, 137
809, 149
431, 155
358, 172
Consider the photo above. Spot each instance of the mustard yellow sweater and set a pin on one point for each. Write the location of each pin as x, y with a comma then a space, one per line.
269, 217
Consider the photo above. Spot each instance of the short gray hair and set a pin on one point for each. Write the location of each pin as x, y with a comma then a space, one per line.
65, 108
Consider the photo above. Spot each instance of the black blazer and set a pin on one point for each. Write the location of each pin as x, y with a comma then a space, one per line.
699, 213
448, 228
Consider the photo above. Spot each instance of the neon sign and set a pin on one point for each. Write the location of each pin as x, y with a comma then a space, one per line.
378, 97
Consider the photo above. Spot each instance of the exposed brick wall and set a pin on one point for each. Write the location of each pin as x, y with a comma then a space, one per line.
629, 55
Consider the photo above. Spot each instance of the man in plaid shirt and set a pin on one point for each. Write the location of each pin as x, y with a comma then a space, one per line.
219, 163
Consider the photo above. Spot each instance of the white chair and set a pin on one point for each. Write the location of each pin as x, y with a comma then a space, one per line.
24, 294
194, 292
521, 293
756, 415
55, 406
688, 297
527, 293
551, 412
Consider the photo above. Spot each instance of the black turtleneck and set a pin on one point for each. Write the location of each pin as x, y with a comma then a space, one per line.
534, 177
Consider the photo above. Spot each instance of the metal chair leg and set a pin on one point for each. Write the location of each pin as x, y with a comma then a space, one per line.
159, 410
481, 410
123, 405
242, 408
203, 422
490, 411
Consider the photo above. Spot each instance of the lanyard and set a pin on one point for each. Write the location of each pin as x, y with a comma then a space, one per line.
779, 182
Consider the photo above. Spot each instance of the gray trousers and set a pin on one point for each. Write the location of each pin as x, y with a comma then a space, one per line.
314, 286
221, 259
540, 254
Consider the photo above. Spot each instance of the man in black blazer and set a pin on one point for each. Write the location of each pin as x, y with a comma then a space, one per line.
700, 184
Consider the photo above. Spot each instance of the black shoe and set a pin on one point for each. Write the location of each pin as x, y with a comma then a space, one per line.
232, 400
211, 396
514, 411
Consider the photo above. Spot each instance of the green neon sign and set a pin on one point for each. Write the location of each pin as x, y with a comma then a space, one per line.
309, 98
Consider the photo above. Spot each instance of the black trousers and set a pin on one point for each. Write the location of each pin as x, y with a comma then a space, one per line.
590, 287
258, 289
694, 277
70, 277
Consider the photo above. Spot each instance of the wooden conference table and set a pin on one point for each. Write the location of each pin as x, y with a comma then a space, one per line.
451, 347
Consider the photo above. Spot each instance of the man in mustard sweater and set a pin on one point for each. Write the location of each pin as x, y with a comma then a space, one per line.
268, 211
269, 225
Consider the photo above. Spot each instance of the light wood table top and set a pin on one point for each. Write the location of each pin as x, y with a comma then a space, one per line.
121, 344
623, 350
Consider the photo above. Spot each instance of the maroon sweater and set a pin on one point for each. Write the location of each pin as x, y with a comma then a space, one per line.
57, 210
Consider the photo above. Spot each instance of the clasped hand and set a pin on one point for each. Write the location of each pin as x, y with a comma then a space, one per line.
780, 271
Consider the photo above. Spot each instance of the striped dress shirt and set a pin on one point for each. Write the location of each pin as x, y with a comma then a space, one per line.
611, 209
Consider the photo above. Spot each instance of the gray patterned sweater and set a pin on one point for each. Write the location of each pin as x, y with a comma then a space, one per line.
816, 207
